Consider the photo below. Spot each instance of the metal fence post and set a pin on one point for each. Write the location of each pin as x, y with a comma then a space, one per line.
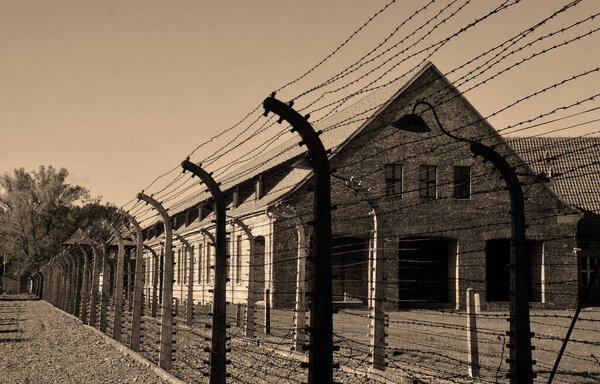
139, 282
166, 330
321, 322
217, 355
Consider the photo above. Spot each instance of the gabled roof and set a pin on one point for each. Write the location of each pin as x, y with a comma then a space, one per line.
78, 238
338, 129
573, 164
128, 238
576, 173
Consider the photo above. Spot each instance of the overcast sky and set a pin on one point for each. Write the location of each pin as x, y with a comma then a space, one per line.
119, 92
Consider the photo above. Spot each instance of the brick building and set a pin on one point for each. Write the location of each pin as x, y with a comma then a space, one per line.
443, 220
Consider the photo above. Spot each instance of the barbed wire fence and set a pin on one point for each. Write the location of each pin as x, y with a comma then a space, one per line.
416, 280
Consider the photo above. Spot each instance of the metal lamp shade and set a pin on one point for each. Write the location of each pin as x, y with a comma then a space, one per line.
411, 123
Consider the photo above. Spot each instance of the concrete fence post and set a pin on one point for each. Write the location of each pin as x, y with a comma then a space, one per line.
218, 354
189, 308
320, 357
85, 285
166, 330
154, 299
300, 336
376, 296
60, 282
472, 304
68, 284
131, 265
72, 284
95, 286
139, 282
378, 336
252, 296
267, 311
78, 279
120, 270
68, 294
105, 288
238, 314
213, 241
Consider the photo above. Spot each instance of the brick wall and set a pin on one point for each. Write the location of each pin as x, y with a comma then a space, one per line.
465, 223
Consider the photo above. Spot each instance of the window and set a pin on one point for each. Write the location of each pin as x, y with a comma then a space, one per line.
236, 197
393, 180
462, 182
497, 260
238, 260
258, 188
179, 265
185, 264
228, 259
588, 269
208, 277
199, 263
428, 181
145, 269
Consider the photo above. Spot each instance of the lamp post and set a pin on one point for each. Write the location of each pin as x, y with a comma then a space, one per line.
519, 334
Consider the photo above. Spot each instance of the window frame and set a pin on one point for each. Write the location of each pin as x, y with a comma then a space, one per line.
392, 183
426, 182
238, 260
200, 265
208, 278
462, 185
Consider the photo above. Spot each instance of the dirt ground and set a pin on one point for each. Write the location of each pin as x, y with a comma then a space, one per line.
40, 344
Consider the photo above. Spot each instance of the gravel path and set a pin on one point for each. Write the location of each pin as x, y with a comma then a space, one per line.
40, 344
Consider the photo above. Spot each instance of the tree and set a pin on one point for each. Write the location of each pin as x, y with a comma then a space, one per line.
39, 210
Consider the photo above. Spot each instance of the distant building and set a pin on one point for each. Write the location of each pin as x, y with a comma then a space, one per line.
444, 216
12, 283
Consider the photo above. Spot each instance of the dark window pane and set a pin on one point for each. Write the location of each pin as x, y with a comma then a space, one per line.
497, 258
428, 181
393, 180
389, 172
462, 182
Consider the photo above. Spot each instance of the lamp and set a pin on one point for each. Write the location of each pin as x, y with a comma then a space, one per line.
411, 123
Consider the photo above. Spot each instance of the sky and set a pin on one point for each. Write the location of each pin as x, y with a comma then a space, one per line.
120, 92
